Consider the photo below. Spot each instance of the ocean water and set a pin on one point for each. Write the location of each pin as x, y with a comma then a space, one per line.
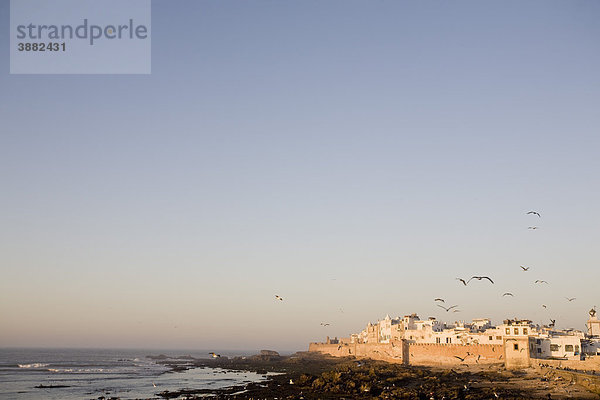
89, 374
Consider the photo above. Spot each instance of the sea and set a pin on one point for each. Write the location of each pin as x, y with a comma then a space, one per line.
90, 374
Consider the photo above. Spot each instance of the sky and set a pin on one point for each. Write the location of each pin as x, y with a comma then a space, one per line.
353, 157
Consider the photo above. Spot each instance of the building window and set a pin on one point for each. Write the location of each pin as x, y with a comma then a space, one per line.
553, 347
498, 337
508, 331
516, 331
491, 338
524, 331
576, 348
569, 347
516, 346
539, 350
448, 340
538, 341
437, 340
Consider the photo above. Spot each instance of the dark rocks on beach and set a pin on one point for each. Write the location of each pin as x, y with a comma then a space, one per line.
42, 386
316, 376
158, 357
266, 355
269, 353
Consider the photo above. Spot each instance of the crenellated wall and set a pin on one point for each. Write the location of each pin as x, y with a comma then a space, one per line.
448, 354
416, 354
391, 352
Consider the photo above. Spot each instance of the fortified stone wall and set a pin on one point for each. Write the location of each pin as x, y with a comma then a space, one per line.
416, 354
448, 354
589, 364
390, 352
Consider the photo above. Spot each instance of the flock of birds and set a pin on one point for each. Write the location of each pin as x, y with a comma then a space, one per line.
480, 278
465, 282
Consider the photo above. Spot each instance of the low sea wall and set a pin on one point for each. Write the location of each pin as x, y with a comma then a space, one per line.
590, 364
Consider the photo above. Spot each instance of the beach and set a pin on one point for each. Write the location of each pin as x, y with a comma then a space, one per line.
314, 376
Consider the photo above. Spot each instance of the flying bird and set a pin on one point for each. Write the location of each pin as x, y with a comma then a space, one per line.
323, 324
214, 355
455, 310
462, 280
540, 281
277, 297
532, 227
508, 294
524, 268
534, 213
438, 299
545, 306
570, 299
553, 322
462, 359
447, 309
480, 278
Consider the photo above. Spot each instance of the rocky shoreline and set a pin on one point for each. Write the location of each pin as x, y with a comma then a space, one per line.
315, 376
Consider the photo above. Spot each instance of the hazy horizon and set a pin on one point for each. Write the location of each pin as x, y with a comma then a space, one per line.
352, 157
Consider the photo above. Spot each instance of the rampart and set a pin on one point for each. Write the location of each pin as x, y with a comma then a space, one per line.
453, 354
416, 353
590, 364
390, 352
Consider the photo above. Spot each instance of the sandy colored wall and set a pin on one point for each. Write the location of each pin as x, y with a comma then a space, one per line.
418, 354
516, 352
446, 354
377, 351
589, 364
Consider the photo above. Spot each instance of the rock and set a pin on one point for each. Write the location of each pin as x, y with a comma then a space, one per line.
269, 353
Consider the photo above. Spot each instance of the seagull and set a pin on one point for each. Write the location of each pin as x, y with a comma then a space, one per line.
214, 355
277, 297
455, 310
534, 213
462, 280
323, 324
508, 294
570, 299
532, 227
153, 384
524, 268
480, 278
461, 358
447, 309
291, 382
553, 322
438, 299
540, 281
545, 306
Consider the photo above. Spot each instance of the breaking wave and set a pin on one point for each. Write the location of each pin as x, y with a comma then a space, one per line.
33, 365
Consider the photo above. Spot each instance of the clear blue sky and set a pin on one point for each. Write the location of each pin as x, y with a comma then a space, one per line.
343, 154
